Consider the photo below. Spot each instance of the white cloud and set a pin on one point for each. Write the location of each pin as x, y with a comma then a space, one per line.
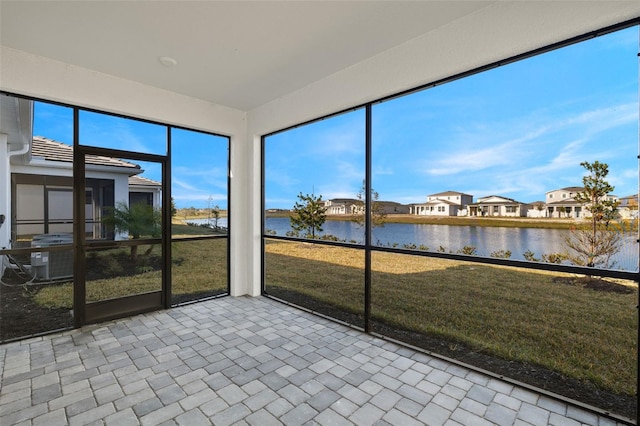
533, 147
182, 185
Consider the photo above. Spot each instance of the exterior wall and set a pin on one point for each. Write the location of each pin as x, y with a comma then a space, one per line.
501, 210
628, 208
570, 211
628, 213
457, 198
440, 209
558, 195
339, 209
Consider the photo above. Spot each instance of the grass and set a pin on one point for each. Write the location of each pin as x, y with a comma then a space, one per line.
198, 267
511, 313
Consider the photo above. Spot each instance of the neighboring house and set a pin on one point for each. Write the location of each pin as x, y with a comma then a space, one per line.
42, 195
36, 181
391, 207
561, 203
342, 206
351, 206
628, 207
144, 190
448, 203
495, 205
538, 209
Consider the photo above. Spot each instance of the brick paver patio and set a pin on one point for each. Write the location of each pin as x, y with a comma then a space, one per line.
251, 361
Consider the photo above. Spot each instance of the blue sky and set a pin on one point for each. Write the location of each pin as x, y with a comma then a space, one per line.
517, 131
199, 160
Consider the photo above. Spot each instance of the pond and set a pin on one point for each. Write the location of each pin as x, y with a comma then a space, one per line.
486, 240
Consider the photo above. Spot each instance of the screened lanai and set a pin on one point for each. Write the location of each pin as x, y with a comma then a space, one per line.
213, 100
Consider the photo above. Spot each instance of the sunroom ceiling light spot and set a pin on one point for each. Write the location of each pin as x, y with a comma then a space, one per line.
168, 61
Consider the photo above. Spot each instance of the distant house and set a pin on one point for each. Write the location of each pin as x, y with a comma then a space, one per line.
495, 205
448, 203
628, 207
338, 206
562, 203
391, 207
537, 209
351, 206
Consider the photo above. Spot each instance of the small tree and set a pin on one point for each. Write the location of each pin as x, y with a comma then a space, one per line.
378, 215
174, 211
215, 211
309, 214
138, 220
596, 242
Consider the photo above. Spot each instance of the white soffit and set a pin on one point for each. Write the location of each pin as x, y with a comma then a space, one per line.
240, 54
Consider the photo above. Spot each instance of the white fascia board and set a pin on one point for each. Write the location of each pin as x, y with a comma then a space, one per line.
62, 168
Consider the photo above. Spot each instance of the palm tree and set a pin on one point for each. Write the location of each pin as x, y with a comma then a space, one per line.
137, 220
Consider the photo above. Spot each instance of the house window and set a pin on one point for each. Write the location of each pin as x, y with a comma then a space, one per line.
496, 209
510, 209
141, 197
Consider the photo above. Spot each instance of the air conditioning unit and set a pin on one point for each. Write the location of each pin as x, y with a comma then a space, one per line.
52, 265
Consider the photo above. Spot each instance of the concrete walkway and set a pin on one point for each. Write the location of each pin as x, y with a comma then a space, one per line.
251, 361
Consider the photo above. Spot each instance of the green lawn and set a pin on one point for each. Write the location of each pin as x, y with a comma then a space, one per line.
198, 267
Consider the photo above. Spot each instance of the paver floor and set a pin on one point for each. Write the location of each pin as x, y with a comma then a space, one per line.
251, 361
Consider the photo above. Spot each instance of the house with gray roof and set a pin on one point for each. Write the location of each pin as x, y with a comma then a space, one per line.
561, 203
628, 207
336, 206
42, 195
351, 206
448, 203
496, 205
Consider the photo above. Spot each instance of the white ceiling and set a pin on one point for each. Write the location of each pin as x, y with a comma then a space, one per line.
240, 54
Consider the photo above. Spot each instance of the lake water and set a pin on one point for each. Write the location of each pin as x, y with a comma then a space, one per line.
485, 239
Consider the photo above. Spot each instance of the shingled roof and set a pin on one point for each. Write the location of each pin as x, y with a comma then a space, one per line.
137, 180
52, 150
